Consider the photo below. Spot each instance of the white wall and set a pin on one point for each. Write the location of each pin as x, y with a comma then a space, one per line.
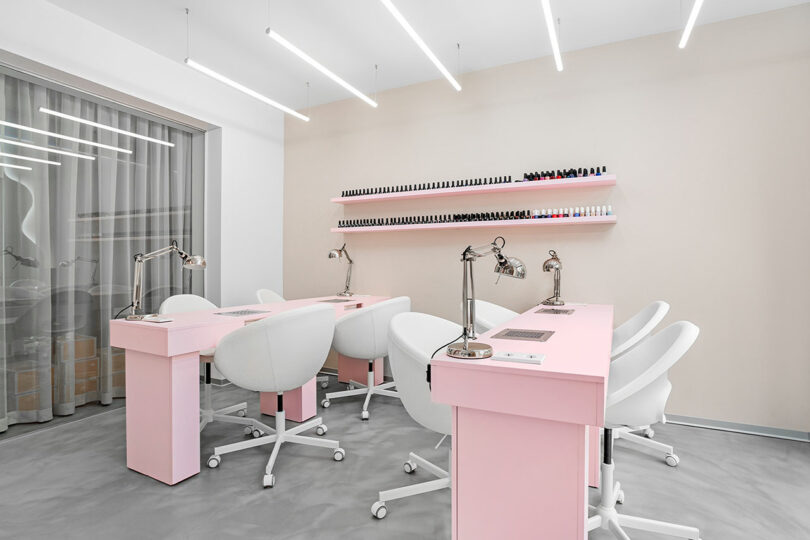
710, 145
252, 134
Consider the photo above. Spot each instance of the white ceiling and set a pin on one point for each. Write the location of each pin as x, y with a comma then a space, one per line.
351, 36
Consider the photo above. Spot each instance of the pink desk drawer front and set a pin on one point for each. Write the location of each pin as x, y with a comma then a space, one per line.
561, 400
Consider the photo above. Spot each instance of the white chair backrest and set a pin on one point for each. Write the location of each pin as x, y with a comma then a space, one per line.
638, 386
278, 353
266, 296
412, 339
364, 333
183, 303
489, 315
637, 327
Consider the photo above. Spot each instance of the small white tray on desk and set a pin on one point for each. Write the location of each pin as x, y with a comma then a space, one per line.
521, 358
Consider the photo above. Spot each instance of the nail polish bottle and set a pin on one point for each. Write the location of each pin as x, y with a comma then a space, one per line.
604, 169
604, 211
598, 172
609, 210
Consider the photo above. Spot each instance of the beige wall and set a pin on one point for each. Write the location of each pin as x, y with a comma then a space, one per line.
711, 146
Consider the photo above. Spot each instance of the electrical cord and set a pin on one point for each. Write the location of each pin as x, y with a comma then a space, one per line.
446, 344
129, 306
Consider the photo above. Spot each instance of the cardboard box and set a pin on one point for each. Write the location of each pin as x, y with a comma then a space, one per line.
26, 376
118, 360
84, 386
86, 368
83, 347
28, 402
119, 380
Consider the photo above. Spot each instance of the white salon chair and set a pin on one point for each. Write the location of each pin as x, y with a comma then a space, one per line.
625, 337
412, 339
633, 330
183, 303
278, 354
266, 296
489, 315
638, 390
364, 334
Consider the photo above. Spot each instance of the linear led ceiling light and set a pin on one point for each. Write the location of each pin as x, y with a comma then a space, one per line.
26, 158
272, 34
244, 89
10, 166
418, 40
104, 127
690, 23
552, 33
46, 149
64, 137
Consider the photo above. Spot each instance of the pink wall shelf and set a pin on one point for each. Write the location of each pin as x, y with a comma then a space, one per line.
562, 183
595, 220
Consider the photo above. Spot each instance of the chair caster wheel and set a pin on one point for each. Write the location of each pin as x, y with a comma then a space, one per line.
409, 466
325, 404
339, 454
620, 497
214, 461
649, 433
248, 430
325, 384
269, 480
256, 433
672, 460
241, 412
321, 430
364, 415
378, 510
349, 387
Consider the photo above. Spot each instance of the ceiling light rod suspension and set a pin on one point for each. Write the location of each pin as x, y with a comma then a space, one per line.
690, 24
235, 85
275, 36
420, 43
552, 33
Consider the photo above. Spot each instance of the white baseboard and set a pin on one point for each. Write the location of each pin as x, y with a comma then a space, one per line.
748, 429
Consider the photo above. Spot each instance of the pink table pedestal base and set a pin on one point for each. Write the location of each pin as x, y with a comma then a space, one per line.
356, 369
299, 404
163, 415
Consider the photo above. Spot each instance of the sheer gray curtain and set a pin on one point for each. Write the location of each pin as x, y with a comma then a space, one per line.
68, 235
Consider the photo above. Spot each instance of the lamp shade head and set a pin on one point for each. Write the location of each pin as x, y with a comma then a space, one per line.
511, 266
552, 264
194, 262
335, 253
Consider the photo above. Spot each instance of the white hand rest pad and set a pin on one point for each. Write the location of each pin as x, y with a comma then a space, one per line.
156, 319
523, 358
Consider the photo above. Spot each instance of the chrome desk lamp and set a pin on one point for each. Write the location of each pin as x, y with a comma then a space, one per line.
556, 265
190, 262
505, 266
337, 254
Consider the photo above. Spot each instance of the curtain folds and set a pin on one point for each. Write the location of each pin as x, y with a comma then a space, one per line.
68, 235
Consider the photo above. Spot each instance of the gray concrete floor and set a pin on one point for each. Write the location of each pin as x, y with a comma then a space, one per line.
71, 482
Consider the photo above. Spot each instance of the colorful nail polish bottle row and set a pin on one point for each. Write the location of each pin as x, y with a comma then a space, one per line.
565, 173
578, 211
585, 211
428, 185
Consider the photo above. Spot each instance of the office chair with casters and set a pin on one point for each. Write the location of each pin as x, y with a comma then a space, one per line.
183, 303
489, 315
278, 354
412, 339
364, 334
638, 389
268, 296
625, 337
633, 330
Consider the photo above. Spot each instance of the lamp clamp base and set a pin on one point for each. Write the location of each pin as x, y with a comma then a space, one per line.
469, 351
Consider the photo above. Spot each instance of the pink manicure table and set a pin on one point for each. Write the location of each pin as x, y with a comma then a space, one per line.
526, 437
163, 381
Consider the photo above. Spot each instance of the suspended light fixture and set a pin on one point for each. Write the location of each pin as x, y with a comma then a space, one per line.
272, 34
46, 149
233, 84
104, 127
26, 158
552, 33
418, 40
64, 137
10, 166
690, 23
